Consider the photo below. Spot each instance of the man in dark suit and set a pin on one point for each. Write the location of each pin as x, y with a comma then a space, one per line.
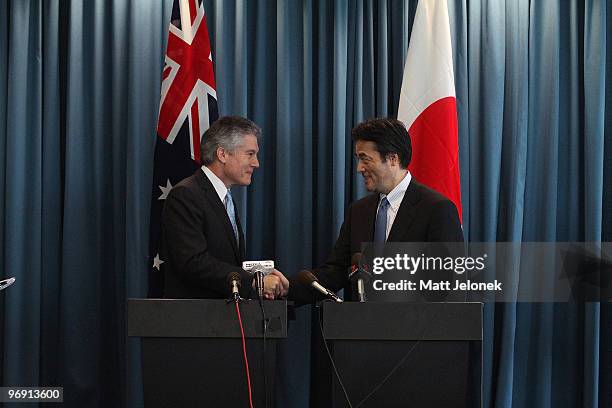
400, 210
202, 239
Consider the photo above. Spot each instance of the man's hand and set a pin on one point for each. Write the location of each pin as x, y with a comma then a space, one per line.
284, 283
275, 285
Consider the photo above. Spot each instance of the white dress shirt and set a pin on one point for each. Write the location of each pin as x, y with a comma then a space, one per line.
395, 198
219, 186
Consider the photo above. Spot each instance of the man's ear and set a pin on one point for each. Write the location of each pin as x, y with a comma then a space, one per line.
221, 154
394, 159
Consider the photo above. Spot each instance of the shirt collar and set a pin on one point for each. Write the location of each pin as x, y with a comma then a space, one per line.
396, 195
219, 186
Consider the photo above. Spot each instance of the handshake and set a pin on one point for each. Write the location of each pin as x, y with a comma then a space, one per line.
275, 285
267, 280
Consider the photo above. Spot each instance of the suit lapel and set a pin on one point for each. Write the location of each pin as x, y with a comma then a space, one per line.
217, 205
242, 246
405, 214
370, 217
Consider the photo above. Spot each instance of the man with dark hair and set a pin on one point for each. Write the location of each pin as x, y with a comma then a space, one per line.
202, 239
400, 210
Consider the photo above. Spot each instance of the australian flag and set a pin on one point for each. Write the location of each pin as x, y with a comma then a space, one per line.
187, 107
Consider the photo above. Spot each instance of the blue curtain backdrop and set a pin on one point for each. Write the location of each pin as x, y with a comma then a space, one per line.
79, 89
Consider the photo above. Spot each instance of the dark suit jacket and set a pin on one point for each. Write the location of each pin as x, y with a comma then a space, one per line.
423, 216
198, 245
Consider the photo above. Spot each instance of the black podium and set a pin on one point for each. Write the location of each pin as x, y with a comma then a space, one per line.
404, 354
192, 350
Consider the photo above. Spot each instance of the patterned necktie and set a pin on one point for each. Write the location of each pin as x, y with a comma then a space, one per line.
380, 228
231, 212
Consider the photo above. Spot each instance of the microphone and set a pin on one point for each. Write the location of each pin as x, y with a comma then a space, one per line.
6, 283
258, 269
259, 273
233, 279
360, 275
306, 278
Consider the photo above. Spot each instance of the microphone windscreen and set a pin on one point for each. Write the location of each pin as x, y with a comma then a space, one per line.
233, 276
306, 277
256, 269
356, 258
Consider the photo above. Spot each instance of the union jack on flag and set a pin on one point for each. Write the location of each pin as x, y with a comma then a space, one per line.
187, 107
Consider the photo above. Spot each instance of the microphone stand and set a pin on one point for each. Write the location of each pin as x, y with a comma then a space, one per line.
359, 275
259, 286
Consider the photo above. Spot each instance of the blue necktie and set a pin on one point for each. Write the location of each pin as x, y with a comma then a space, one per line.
380, 228
231, 212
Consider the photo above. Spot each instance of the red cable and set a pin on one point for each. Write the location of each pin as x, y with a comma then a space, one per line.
246, 360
